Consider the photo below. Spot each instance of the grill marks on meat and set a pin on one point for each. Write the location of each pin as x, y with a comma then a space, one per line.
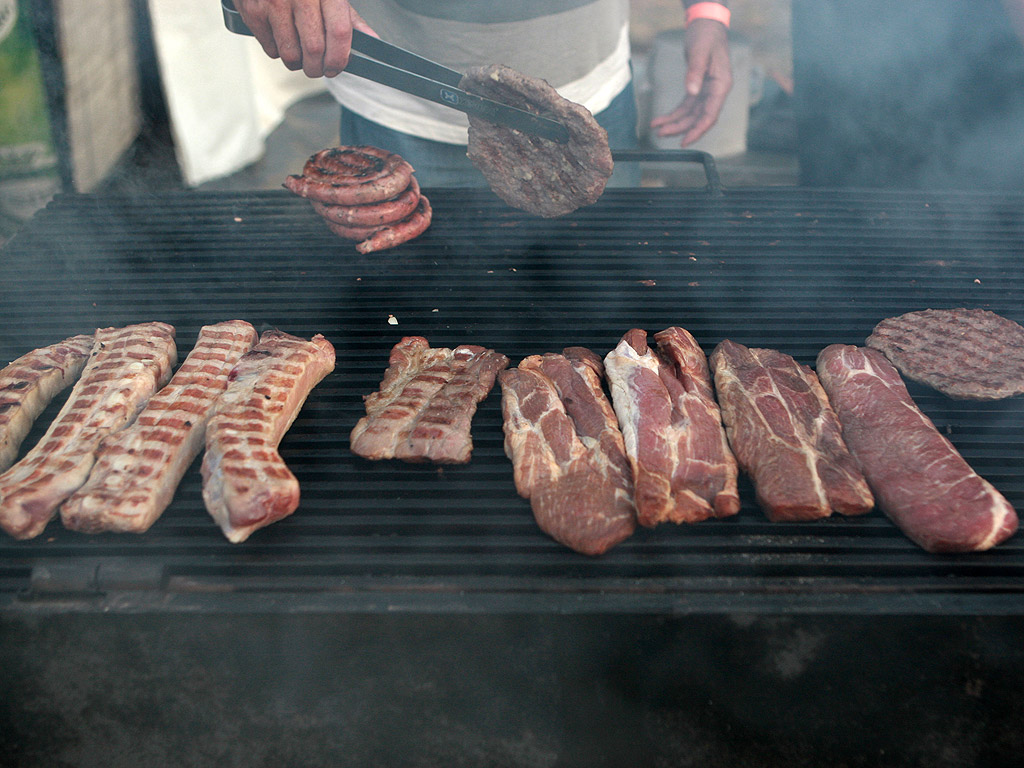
426, 402
126, 366
365, 194
388, 235
529, 172
372, 215
683, 470
30, 383
567, 452
351, 176
138, 469
970, 354
920, 480
785, 434
246, 484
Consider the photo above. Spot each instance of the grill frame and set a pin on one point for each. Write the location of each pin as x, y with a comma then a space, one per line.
789, 268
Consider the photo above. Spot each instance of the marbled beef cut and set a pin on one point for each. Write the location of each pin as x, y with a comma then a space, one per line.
683, 470
919, 479
785, 435
969, 354
567, 451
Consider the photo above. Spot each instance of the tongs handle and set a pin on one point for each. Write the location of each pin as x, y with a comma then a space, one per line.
376, 48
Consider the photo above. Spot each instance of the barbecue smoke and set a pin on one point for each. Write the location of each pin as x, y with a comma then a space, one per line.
925, 95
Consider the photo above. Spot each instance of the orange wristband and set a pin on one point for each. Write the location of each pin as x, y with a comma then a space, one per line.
712, 11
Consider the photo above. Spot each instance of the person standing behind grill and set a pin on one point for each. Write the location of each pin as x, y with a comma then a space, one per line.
579, 46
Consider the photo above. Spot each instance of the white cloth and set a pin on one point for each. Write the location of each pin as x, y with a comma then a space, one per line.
224, 94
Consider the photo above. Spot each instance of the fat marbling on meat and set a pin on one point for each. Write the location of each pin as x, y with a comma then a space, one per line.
683, 469
567, 452
785, 434
919, 479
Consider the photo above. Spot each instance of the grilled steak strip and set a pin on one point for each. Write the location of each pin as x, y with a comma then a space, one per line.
28, 385
246, 484
567, 451
426, 401
138, 469
683, 470
440, 431
785, 434
126, 366
351, 176
970, 354
920, 480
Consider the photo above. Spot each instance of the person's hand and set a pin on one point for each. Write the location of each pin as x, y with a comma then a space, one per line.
312, 35
708, 80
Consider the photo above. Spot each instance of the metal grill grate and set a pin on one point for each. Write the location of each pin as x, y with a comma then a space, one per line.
793, 269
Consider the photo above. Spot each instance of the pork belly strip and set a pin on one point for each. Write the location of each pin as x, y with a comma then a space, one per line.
29, 384
126, 366
683, 469
919, 479
246, 484
138, 469
785, 434
425, 405
567, 452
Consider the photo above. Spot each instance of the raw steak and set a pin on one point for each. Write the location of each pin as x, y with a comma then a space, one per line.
683, 470
529, 172
567, 451
786, 436
919, 479
969, 354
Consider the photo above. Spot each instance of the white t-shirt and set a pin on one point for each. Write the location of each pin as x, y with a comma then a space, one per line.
581, 47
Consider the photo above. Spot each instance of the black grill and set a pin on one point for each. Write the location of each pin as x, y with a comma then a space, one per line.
793, 269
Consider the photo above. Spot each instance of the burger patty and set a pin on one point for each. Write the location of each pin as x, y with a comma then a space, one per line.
529, 172
969, 354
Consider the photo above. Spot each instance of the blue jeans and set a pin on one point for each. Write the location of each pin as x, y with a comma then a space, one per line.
439, 164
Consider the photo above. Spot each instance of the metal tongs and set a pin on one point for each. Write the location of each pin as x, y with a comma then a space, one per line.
398, 68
